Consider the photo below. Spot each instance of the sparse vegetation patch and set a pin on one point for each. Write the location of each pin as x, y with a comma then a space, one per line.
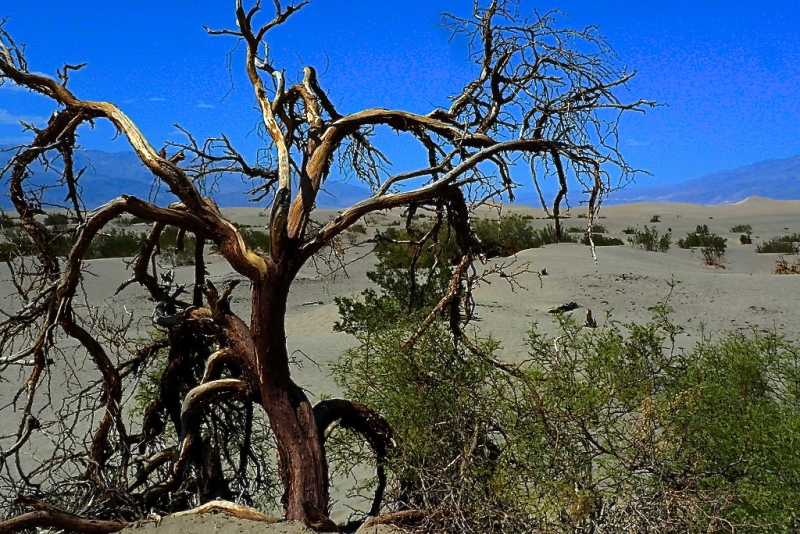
711, 246
600, 240
742, 229
784, 267
788, 244
649, 240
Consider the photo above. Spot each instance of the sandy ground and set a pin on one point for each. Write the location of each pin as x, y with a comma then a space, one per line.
620, 286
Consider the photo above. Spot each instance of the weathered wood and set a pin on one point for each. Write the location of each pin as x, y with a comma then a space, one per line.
46, 516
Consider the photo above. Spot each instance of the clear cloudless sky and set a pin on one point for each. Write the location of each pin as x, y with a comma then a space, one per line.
727, 72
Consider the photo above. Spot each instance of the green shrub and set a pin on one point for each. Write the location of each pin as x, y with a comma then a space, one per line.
780, 245
412, 276
712, 246
602, 241
354, 233
256, 239
115, 243
170, 248
596, 228
512, 234
129, 221
695, 239
609, 430
15, 243
714, 251
7, 221
547, 236
649, 240
58, 220
742, 229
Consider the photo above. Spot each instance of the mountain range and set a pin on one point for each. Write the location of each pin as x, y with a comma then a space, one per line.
778, 179
109, 174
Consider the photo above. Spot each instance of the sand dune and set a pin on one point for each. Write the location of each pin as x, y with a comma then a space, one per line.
745, 295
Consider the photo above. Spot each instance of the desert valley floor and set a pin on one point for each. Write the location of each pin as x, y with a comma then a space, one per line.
742, 295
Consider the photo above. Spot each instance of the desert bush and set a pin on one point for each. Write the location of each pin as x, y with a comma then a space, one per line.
129, 221
649, 240
596, 228
602, 241
15, 243
354, 233
784, 267
112, 243
611, 430
712, 246
695, 239
506, 236
414, 275
174, 251
655, 218
512, 233
6, 221
58, 220
547, 236
257, 239
714, 251
742, 229
777, 247
781, 245
116, 243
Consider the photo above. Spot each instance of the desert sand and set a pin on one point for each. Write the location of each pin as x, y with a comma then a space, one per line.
745, 295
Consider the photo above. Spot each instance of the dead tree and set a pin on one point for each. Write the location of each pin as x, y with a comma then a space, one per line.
542, 95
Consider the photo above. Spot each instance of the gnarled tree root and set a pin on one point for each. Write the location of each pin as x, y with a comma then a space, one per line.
366, 422
403, 518
47, 516
228, 508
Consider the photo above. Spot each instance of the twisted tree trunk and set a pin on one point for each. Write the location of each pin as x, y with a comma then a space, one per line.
302, 464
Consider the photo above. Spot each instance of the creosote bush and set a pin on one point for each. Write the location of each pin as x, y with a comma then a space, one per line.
742, 229
788, 244
712, 246
649, 240
512, 233
355, 233
601, 240
596, 228
599, 430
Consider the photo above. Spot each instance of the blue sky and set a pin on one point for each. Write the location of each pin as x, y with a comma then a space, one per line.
727, 72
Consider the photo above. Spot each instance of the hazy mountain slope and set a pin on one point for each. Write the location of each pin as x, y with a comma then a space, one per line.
109, 174
778, 179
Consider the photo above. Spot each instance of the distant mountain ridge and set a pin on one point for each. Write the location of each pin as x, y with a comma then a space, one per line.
110, 174
778, 179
